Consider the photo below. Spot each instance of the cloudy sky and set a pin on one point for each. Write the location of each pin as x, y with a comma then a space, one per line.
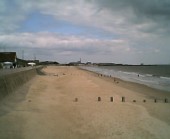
118, 31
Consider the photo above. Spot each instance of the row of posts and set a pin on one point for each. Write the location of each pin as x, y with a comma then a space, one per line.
123, 100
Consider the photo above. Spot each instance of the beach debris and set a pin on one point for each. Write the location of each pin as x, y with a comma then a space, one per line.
134, 100
123, 99
111, 99
144, 100
166, 100
76, 100
99, 98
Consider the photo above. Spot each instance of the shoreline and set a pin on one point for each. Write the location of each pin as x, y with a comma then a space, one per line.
129, 83
148, 93
153, 81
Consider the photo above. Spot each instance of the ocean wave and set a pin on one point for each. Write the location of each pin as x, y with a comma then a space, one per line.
151, 80
146, 81
166, 78
149, 75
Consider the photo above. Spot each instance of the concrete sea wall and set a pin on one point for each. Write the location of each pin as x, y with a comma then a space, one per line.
12, 81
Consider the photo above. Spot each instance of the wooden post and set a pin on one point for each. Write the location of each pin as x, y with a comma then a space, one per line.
155, 100
123, 99
134, 100
76, 100
166, 100
111, 99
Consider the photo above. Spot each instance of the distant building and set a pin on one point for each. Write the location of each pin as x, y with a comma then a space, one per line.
106, 64
75, 63
78, 63
48, 63
88, 63
8, 59
24, 63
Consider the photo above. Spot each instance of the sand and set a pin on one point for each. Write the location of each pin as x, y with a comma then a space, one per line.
63, 104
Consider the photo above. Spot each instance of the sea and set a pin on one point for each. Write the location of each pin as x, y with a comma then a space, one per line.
154, 76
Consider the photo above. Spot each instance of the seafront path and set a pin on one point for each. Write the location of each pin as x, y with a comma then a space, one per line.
15, 70
63, 104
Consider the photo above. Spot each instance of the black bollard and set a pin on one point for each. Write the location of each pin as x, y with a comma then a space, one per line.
99, 98
111, 99
123, 99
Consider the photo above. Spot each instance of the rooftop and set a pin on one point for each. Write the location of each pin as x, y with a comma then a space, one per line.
8, 56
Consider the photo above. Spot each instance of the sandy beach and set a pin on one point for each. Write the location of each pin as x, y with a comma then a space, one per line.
63, 104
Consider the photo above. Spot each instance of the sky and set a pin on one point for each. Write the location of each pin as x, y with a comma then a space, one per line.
117, 31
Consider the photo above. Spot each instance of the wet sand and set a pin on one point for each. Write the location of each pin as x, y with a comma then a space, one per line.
47, 107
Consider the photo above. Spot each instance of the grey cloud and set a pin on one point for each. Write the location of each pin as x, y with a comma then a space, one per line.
147, 8
60, 42
134, 12
152, 11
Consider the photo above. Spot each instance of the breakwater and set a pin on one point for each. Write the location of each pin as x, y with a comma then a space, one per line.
13, 80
